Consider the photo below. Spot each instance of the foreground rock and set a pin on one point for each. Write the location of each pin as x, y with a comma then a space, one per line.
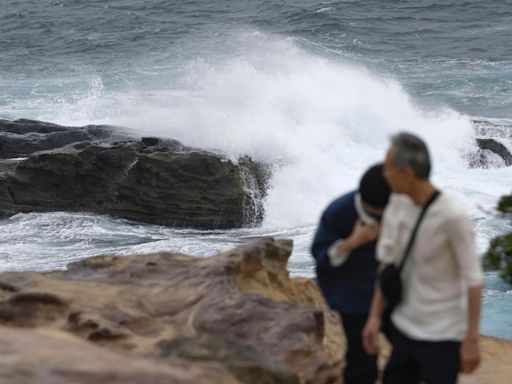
150, 180
235, 317
45, 356
237, 313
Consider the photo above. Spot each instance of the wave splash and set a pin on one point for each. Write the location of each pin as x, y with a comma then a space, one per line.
319, 122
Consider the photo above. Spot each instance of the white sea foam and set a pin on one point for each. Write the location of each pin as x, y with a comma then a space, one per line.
321, 122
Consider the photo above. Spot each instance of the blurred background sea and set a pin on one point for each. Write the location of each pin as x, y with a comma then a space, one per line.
314, 87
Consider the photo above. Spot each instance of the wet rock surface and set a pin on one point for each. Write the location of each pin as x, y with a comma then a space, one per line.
100, 169
493, 142
21, 138
489, 147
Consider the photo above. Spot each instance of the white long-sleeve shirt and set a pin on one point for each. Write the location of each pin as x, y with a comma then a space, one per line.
440, 268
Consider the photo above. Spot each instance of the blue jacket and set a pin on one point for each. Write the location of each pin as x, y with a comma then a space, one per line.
349, 287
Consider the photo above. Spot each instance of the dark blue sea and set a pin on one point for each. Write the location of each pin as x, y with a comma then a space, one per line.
315, 88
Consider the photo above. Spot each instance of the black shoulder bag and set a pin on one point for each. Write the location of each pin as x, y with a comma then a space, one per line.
390, 277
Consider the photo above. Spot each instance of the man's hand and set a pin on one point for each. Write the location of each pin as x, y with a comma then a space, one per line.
470, 354
362, 234
371, 334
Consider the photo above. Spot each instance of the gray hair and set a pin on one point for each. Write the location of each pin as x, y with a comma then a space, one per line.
411, 152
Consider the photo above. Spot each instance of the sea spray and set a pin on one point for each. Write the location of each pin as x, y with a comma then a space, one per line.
321, 121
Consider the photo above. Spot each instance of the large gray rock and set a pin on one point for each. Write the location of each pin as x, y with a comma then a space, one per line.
491, 154
149, 180
23, 137
497, 148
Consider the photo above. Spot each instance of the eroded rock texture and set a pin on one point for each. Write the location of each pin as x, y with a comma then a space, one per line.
236, 313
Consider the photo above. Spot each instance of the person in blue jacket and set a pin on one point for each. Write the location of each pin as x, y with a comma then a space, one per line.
346, 266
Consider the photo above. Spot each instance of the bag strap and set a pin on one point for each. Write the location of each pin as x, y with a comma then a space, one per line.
415, 230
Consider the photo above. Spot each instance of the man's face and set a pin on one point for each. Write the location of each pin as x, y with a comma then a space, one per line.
367, 213
398, 180
374, 212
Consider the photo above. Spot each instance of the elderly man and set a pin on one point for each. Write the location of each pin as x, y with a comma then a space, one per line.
435, 325
346, 267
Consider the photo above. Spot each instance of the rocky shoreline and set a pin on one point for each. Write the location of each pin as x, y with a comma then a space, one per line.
236, 317
111, 170
108, 170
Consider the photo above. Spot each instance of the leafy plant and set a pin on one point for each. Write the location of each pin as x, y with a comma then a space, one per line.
505, 204
499, 254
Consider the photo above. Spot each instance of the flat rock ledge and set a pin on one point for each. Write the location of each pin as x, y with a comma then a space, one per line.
236, 317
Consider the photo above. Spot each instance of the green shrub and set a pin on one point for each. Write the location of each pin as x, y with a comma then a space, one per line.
499, 256
505, 204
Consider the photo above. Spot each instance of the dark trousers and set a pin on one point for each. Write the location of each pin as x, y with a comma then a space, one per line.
414, 362
361, 368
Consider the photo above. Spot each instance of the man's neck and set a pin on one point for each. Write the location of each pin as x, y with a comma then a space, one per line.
421, 192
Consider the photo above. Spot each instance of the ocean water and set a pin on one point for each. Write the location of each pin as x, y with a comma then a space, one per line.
315, 88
